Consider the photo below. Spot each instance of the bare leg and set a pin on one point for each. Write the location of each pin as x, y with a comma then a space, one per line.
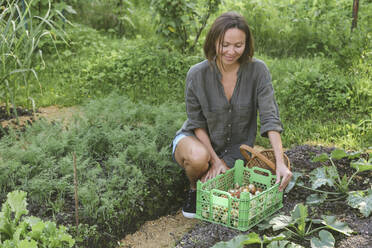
193, 156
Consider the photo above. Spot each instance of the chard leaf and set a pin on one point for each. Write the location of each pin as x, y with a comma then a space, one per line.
234, 243
314, 199
17, 202
362, 164
281, 222
293, 181
338, 154
334, 224
358, 199
326, 240
319, 178
321, 158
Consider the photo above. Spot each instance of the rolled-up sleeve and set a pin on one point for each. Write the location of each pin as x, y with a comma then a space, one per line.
194, 111
267, 106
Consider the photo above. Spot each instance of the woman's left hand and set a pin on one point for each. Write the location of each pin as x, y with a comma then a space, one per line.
283, 174
217, 167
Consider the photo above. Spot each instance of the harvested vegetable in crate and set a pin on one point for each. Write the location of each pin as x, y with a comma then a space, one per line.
240, 198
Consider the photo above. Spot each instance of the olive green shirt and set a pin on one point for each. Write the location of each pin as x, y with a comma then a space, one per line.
230, 124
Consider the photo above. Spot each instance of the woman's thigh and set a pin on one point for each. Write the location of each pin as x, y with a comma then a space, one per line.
190, 148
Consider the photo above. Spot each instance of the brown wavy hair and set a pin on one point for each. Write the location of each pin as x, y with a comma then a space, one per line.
217, 33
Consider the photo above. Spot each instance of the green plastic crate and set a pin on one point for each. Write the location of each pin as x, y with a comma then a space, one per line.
215, 204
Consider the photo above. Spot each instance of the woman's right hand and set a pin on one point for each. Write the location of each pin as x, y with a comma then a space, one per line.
216, 167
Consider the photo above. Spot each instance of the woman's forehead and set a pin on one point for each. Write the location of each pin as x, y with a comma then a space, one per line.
234, 35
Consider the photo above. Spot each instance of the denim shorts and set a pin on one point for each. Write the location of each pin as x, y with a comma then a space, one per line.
175, 143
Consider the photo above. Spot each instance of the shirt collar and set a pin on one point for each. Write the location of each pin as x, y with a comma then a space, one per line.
216, 70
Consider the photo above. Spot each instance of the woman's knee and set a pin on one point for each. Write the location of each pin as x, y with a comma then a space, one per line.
198, 157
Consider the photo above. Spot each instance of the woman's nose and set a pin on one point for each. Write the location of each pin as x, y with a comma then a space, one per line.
230, 50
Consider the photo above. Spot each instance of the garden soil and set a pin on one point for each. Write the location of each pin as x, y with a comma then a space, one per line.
176, 231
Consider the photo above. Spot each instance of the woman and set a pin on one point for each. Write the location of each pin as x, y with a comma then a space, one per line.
223, 95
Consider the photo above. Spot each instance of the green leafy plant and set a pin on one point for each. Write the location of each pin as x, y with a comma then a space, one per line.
111, 16
17, 230
121, 183
21, 35
252, 238
299, 226
329, 176
182, 21
361, 200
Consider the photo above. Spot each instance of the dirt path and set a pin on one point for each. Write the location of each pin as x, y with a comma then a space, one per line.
161, 233
52, 113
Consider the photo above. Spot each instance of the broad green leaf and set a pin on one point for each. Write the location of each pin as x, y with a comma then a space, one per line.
265, 224
299, 215
331, 173
334, 224
321, 158
278, 244
293, 181
354, 155
338, 154
325, 240
5, 225
252, 238
362, 201
319, 178
281, 222
233, 243
17, 202
299, 211
362, 164
20, 230
32, 220
63, 236
27, 244
37, 230
314, 199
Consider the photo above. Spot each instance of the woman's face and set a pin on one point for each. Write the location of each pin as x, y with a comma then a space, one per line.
232, 47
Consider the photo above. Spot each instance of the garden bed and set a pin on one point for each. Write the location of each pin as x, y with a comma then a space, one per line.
205, 234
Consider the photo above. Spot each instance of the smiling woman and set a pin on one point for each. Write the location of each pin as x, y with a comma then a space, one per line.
224, 95
233, 46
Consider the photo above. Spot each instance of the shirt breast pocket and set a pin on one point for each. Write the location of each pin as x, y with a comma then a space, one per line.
244, 114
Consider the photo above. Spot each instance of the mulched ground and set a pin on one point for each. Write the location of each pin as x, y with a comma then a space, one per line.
206, 234
11, 117
4, 116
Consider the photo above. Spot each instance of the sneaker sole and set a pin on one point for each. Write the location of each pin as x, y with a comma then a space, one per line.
188, 215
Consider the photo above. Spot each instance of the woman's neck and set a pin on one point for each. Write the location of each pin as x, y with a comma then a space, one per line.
227, 68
